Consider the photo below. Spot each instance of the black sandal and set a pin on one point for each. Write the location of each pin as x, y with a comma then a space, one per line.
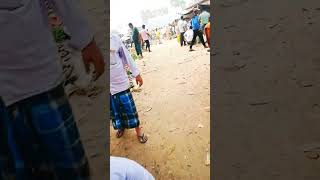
120, 133
143, 139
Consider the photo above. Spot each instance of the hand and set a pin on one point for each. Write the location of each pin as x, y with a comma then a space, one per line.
139, 80
92, 54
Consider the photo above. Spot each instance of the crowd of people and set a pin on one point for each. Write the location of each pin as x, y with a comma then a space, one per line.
198, 26
123, 110
185, 30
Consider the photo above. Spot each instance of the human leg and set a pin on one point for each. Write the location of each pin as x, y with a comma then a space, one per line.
47, 135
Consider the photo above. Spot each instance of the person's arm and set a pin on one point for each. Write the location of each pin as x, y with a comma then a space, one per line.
127, 60
81, 35
73, 18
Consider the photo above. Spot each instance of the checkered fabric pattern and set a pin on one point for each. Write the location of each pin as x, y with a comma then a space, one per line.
6, 161
42, 139
123, 111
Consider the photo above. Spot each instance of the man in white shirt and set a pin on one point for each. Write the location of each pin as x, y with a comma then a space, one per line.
145, 37
40, 126
123, 111
126, 169
182, 27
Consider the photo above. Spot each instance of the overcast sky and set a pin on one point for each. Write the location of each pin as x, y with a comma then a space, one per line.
124, 11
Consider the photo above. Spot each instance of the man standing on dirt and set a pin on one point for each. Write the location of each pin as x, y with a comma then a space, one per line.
182, 27
40, 125
145, 37
136, 38
197, 32
123, 110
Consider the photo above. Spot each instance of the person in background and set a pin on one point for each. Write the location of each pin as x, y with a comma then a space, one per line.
207, 31
188, 35
123, 110
177, 33
145, 37
197, 32
136, 38
40, 126
204, 19
158, 35
124, 169
182, 27
163, 33
189, 23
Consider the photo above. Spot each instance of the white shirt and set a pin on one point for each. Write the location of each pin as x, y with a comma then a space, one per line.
188, 35
144, 35
126, 169
182, 26
29, 59
189, 24
119, 57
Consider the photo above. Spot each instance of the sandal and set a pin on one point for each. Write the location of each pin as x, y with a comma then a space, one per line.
143, 139
120, 133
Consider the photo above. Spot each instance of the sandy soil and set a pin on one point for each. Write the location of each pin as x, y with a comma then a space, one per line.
174, 108
266, 71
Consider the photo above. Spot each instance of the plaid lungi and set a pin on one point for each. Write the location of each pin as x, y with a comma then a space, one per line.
43, 139
6, 161
123, 111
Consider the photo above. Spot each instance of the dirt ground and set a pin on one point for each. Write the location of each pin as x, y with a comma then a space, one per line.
174, 108
266, 71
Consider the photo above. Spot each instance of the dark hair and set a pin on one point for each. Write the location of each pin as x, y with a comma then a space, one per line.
181, 17
190, 27
130, 24
143, 26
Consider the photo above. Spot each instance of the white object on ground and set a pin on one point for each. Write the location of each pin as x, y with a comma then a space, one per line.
149, 109
123, 169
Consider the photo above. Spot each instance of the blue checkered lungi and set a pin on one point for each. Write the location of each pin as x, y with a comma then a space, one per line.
123, 111
41, 139
6, 161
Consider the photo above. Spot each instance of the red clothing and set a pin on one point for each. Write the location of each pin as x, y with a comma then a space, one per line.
207, 32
